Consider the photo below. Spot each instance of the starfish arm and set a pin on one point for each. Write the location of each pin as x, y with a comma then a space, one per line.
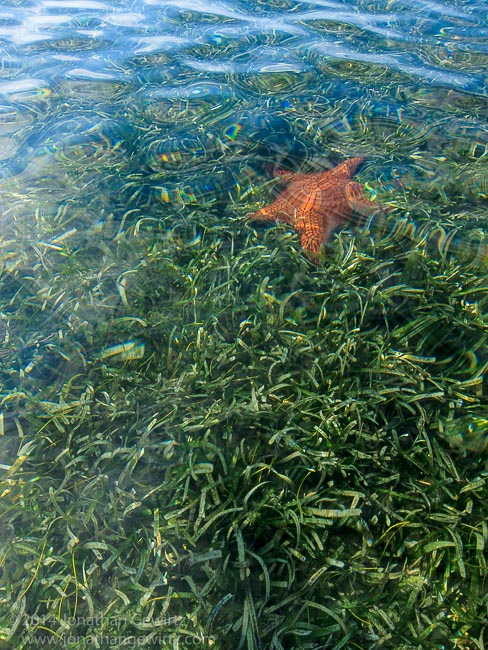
285, 175
346, 169
311, 240
325, 179
351, 165
313, 230
279, 210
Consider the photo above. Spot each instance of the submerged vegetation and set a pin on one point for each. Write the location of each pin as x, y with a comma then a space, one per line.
206, 440
209, 441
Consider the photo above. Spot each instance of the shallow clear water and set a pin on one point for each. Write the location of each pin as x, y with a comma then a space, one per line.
115, 112
147, 328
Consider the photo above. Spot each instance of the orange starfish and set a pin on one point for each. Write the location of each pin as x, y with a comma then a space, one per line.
316, 204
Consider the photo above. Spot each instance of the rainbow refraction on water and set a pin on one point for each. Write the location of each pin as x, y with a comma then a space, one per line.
210, 434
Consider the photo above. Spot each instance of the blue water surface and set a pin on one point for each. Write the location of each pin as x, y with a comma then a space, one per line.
187, 101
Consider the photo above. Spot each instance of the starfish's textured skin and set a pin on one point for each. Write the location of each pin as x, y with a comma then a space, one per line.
316, 204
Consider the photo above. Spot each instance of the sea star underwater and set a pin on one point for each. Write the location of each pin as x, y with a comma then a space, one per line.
316, 204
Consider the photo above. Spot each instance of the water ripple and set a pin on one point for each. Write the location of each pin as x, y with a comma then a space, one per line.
192, 100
